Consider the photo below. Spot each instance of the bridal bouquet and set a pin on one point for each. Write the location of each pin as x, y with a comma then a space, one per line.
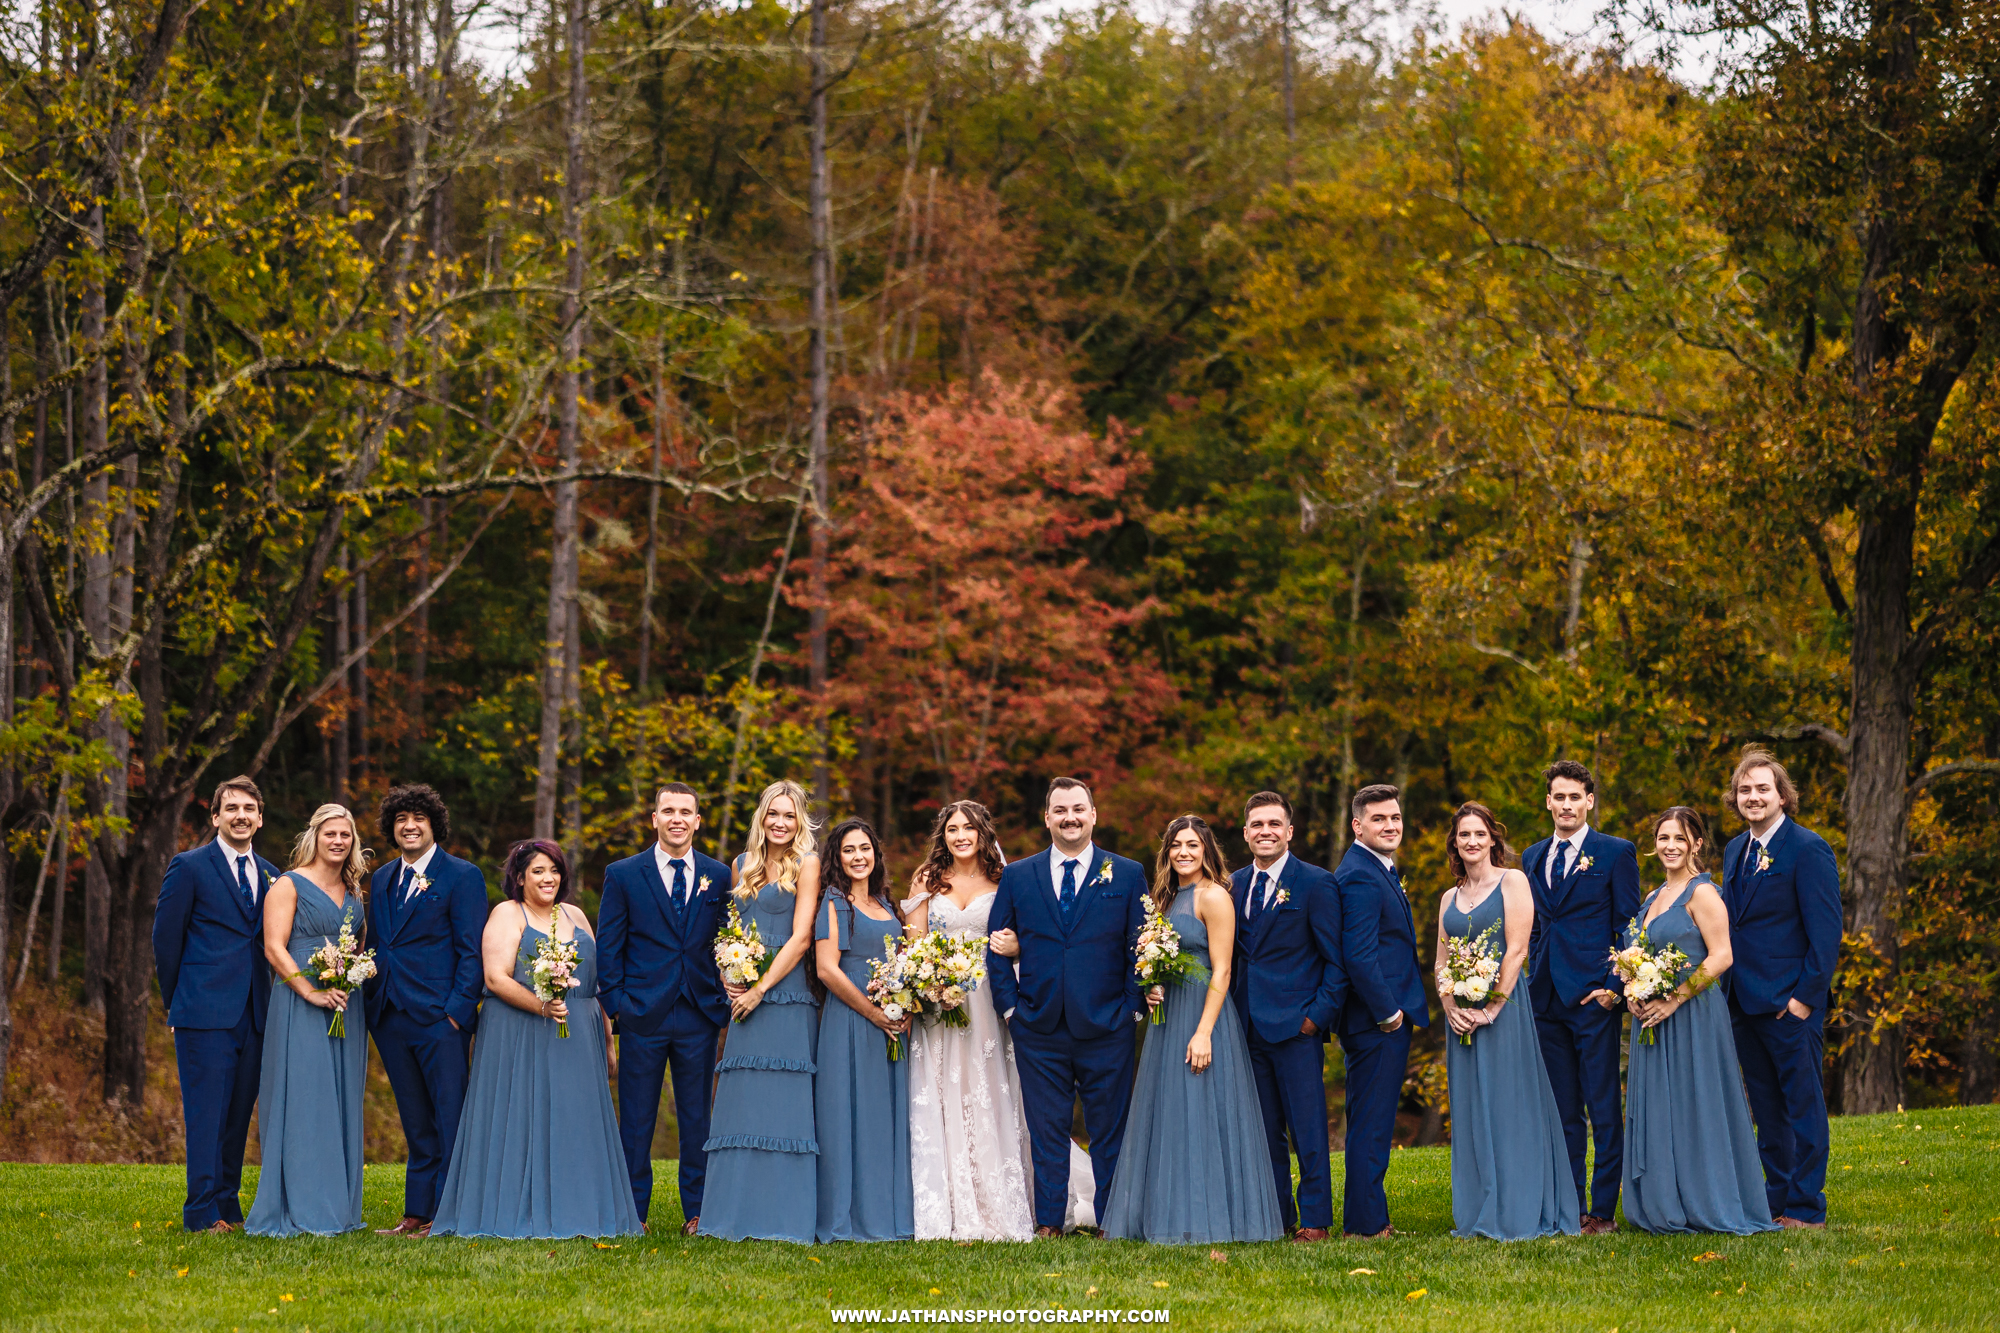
1471, 970
1159, 960
341, 966
944, 969
890, 988
739, 950
554, 971
1648, 972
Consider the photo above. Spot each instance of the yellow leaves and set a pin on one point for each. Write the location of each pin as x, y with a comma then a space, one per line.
602, 1246
1361, 1272
180, 1272
286, 1297
1160, 1284
1418, 1294
937, 1291
1708, 1257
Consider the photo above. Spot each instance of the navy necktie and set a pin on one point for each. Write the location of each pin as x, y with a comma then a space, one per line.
1257, 891
1068, 896
243, 880
1562, 855
680, 882
403, 886
1749, 867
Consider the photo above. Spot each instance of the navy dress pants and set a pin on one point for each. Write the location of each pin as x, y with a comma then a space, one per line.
219, 1069
1377, 1063
1291, 1091
685, 1044
426, 1064
1054, 1070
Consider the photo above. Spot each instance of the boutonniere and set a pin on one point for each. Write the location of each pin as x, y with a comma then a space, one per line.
1582, 864
419, 884
1104, 872
1763, 859
1284, 896
701, 885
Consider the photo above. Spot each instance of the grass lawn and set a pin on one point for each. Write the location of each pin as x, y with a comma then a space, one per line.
1914, 1243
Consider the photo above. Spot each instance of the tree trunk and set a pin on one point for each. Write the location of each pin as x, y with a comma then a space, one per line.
358, 676
565, 557
420, 643
343, 732
820, 206
96, 519
653, 524
129, 979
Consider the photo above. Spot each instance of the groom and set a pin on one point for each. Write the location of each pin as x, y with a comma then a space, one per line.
1586, 887
1077, 911
208, 944
426, 912
1289, 986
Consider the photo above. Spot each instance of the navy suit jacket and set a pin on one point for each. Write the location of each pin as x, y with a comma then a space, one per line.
653, 955
208, 941
1288, 961
1081, 976
1583, 919
1784, 922
1378, 945
427, 955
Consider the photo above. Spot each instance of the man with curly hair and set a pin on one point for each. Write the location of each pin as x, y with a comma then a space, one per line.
426, 911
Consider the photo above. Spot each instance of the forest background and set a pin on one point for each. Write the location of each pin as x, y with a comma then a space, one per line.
922, 398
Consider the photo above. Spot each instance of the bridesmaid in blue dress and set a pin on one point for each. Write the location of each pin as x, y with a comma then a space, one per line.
309, 1098
538, 1152
1510, 1173
1691, 1159
861, 1096
763, 1181
1195, 1170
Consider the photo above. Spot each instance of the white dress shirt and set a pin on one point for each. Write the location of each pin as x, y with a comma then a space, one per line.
1758, 844
1388, 861
421, 865
1086, 860
1276, 872
236, 869
1575, 844
665, 862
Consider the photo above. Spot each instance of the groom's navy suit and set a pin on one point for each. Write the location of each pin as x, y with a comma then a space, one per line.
1379, 948
1073, 1006
1784, 924
1287, 970
657, 979
1580, 918
428, 977
208, 947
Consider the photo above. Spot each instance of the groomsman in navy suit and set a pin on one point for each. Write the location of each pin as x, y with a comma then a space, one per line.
208, 947
426, 912
1289, 986
1385, 999
1782, 887
1077, 910
657, 979
1586, 887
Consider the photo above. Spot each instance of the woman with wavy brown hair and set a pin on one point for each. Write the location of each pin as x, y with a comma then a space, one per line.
969, 1160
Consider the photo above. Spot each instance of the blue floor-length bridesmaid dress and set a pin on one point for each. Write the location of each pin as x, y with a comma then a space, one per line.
1691, 1159
1510, 1174
538, 1153
862, 1099
309, 1097
1195, 1169
763, 1181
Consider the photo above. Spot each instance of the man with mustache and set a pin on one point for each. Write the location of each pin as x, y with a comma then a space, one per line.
1077, 910
208, 946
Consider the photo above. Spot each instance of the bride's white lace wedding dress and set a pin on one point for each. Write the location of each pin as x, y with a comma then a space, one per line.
970, 1166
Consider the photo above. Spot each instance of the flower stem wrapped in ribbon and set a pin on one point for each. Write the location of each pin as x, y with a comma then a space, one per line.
341, 965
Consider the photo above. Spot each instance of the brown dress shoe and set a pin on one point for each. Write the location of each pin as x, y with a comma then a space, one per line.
1594, 1225
218, 1228
693, 1224
1800, 1224
402, 1228
1047, 1233
1383, 1234
1307, 1235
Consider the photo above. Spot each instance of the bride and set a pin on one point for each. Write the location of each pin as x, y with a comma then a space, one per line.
969, 1160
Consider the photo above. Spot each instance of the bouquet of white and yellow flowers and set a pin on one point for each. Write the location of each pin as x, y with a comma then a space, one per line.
740, 954
1648, 972
944, 968
1158, 958
889, 987
554, 970
1471, 971
341, 965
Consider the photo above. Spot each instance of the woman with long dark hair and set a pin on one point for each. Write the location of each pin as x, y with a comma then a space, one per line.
1690, 1153
1510, 1175
1196, 1167
538, 1153
861, 1096
969, 1158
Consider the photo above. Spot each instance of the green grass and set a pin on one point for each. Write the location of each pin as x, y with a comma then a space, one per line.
1914, 1240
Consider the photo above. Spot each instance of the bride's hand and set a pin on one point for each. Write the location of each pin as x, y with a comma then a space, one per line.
1005, 943
1199, 1053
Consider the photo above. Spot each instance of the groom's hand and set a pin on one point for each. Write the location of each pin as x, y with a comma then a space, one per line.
1308, 1028
1393, 1022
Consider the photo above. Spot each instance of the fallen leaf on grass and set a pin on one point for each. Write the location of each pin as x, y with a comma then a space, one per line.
131, 1272
602, 1246
1159, 1284
287, 1296
180, 1272
811, 1260
1091, 1292
1708, 1257
135, 1226
1745, 1287
1418, 1294
1218, 1256
1355, 1272
936, 1292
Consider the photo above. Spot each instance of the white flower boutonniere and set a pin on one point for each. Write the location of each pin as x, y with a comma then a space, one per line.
1582, 864
1763, 859
1284, 896
701, 885
419, 885
1104, 872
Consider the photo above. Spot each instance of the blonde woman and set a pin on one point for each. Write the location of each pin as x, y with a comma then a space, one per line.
309, 1100
762, 1148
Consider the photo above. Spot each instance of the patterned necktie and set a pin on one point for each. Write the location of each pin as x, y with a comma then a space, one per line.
1068, 896
243, 880
1749, 866
1562, 869
680, 882
1257, 891
403, 886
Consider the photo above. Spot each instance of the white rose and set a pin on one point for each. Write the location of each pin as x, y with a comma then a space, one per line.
1487, 967
893, 1012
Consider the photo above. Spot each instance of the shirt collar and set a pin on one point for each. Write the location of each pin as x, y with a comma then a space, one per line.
1276, 872
422, 864
1575, 840
1388, 861
665, 859
1770, 832
1084, 861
